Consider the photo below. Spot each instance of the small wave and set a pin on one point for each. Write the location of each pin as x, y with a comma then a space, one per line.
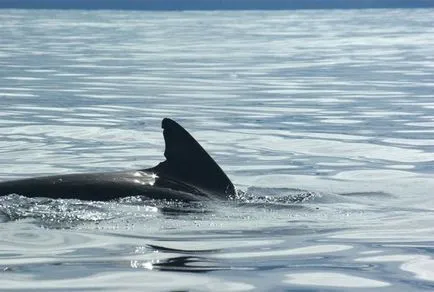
61, 213
276, 196
141, 211
371, 195
68, 213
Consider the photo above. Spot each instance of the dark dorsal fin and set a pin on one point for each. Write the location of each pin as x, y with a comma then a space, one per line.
186, 160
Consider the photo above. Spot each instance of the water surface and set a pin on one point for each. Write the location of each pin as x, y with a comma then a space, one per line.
324, 120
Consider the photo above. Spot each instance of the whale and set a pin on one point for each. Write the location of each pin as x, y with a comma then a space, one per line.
189, 173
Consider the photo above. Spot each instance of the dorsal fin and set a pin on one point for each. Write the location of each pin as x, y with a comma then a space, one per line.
189, 162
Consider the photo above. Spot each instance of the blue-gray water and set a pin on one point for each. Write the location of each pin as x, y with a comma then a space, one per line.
325, 119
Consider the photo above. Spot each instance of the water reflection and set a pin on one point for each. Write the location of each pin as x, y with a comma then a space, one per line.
333, 280
326, 132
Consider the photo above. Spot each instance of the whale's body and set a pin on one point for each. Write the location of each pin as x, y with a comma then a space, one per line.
187, 174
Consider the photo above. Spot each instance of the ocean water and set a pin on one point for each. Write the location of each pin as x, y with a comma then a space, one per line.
324, 121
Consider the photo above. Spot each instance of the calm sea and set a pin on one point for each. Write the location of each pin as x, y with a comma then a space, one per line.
324, 120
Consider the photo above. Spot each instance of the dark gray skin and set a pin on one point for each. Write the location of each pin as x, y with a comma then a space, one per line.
187, 174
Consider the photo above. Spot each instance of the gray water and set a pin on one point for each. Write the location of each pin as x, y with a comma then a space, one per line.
324, 121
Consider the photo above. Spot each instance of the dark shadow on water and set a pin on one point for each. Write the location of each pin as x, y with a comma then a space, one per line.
158, 248
79, 269
189, 264
4, 217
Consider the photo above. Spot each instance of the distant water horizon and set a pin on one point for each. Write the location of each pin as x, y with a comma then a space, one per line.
168, 5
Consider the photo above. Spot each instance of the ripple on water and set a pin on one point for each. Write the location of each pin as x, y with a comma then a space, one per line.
420, 265
131, 281
338, 280
297, 110
308, 250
